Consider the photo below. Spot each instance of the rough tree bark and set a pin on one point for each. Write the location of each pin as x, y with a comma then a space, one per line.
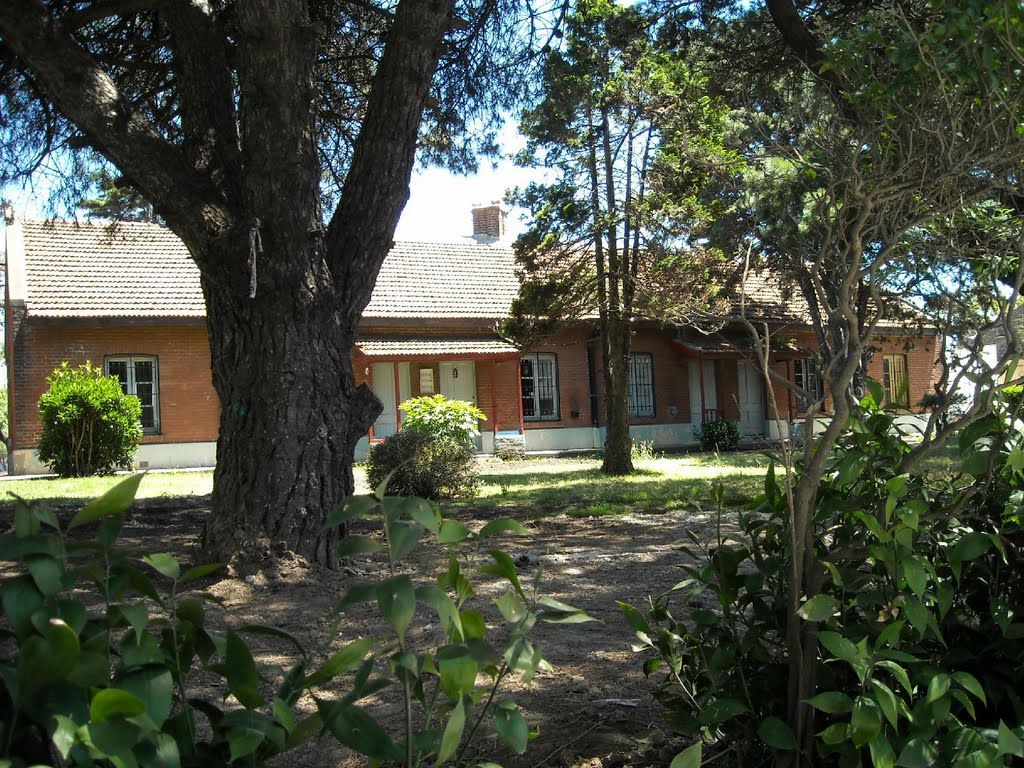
291, 413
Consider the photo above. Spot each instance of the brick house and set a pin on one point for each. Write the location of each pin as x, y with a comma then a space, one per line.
129, 298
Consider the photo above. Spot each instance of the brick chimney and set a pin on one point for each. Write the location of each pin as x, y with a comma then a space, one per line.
489, 222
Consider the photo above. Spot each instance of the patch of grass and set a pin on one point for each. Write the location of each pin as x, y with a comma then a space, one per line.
541, 488
77, 490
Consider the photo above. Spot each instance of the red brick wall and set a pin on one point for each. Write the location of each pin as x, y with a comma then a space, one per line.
570, 347
189, 407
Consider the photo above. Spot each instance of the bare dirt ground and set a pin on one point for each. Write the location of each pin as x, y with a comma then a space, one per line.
594, 710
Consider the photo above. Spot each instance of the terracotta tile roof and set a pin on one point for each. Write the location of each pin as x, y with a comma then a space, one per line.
417, 347
445, 280
89, 270
143, 270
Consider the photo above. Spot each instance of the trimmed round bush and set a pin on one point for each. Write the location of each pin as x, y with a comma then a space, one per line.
90, 426
720, 435
423, 465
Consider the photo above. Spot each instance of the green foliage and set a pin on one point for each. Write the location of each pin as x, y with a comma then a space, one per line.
917, 611
417, 464
718, 435
437, 416
643, 450
103, 648
90, 426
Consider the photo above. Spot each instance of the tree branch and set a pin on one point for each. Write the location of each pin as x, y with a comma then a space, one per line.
86, 94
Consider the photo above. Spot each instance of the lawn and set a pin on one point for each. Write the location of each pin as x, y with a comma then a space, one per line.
74, 490
539, 488
532, 489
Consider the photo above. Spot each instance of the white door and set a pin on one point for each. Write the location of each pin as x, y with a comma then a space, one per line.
384, 388
710, 400
751, 403
458, 381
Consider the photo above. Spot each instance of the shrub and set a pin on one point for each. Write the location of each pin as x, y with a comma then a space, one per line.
423, 465
719, 435
916, 621
440, 417
90, 426
118, 685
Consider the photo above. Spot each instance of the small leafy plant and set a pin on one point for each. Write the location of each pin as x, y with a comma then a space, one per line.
103, 645
439, 417
417, 464
718, 435
90, 426
915, 622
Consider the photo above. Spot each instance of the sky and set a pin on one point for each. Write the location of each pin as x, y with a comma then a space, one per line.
440, 202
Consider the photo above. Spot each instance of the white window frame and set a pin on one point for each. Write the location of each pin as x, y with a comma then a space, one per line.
535, 360
130, 386
896, 383
807, 377
641, 386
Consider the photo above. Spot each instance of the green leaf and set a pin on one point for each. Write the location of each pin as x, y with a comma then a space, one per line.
344, 660
865, 722
422, 511
21, 599
918, 753
458, 670
243, 742
115, 501
447, 612
240, 672
836, 733
882, 755
46, 572
970, 683
200, 571
113, 702
971, 546
776, 734
452, 532
832, 702
402, 537
505, 567
154, 686
452, 733
165, 564
691, 757
512, 607
840, 647
354, 545
886, 700
899, 673
502, 525
937, 687
354, 728
397, 601
819, 608
1009, 743
304, 731
511, 726
268, 631
352, 508
917, 575
635, 618
720, 710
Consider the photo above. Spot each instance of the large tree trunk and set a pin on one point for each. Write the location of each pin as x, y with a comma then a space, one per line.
291, 413
247, 104
618, 445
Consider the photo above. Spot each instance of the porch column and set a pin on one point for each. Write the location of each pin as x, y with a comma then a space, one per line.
519, 395
398, 397
700, 372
